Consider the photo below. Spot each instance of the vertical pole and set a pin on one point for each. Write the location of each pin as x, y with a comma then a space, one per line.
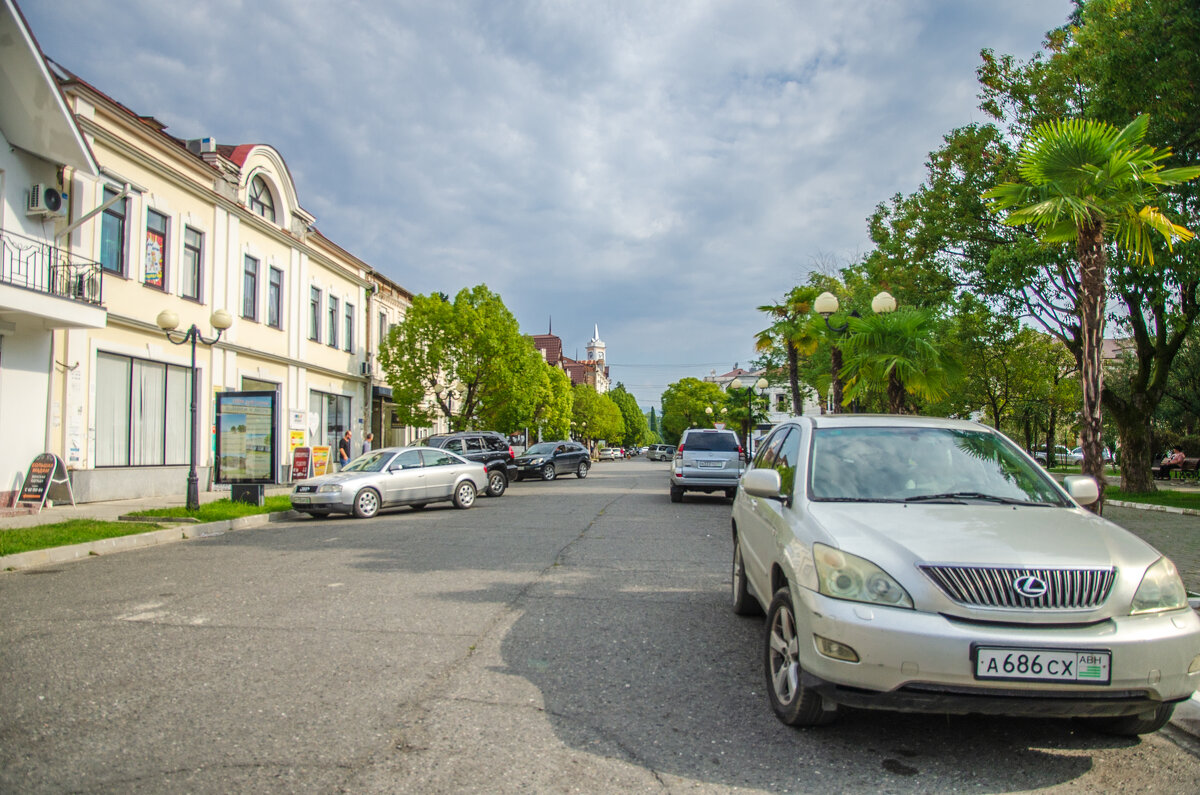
193, 485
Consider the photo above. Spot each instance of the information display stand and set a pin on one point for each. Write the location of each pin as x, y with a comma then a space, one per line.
47, 478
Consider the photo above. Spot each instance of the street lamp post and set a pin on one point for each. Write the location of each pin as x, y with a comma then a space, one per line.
168, 321
447, 408
751, 390
826, 305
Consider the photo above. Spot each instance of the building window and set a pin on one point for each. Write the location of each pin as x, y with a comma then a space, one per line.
333, 418
192, 248
275, 298
383, 329
112, 235
349, 341
250, 289
156, 249
262, 202
314, 314
333, 322
143, 412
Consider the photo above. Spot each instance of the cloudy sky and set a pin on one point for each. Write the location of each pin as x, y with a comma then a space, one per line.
658, 168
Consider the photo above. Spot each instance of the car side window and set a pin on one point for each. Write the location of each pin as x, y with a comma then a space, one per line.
787, 461
562, 448
495, 444
454, 445
770, 449
474, 444
438, 458
409, 459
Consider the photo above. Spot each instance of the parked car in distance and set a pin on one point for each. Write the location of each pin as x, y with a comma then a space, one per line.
548, 460
924, 564
1076, 456
707, 460
414, 476
608, 454
1061, 454
486, 447
660, 452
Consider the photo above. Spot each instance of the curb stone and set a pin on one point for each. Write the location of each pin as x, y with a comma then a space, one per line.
54, 555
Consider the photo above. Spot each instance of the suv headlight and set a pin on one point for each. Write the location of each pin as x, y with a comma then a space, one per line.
845, 576
1161, 589
329, 488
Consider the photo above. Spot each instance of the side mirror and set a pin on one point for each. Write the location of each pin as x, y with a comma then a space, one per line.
763, 483
1082, 488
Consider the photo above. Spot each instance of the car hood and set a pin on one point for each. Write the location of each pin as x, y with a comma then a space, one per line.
982, 535
336, 477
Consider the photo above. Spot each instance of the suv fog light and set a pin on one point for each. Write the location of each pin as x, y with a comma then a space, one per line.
1195, 666
835, 650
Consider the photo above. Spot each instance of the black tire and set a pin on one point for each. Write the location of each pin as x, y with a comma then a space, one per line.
1133, 725
794, 704
497, 483
548, 472
676, 494
366, 503
419, 506
730, 493
520, 477
582, 470
743, 603
464, 495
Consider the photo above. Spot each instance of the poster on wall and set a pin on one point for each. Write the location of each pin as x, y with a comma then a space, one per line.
246, 448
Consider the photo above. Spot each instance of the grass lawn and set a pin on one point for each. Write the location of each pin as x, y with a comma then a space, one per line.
76, 531
219, 510
1170, 497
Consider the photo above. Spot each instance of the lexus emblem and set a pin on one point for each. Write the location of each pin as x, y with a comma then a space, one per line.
1030, 586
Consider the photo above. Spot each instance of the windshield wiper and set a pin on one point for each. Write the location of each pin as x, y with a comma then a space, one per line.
955, 496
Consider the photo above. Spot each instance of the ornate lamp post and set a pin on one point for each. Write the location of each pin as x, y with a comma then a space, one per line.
712, 415
168, 321
826, 305
751, 390
450, 394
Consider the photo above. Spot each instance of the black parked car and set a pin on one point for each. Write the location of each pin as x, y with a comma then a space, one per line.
548, 460
488, 448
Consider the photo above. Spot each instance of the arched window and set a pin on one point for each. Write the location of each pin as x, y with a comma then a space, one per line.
261, 200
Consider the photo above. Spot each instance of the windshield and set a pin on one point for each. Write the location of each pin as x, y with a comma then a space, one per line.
369, 462
711, 442
542, 448
923, 465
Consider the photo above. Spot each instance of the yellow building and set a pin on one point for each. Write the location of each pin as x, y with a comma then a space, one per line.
192, 227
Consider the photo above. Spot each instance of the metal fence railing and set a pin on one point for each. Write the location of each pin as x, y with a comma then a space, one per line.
38, 265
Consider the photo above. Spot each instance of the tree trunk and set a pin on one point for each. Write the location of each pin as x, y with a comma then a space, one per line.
1135, 447
835, 386
895, 393
793, 357
1092, 261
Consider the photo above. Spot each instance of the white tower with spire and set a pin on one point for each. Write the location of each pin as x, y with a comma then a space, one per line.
596, 350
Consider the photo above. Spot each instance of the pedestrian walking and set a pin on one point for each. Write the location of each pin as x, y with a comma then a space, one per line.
367, 442
344, 450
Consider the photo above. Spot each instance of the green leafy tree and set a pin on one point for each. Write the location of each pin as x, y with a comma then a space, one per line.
471, 347
636, 431
683, 406
595, 417
793, 332
895, 352
1088, 182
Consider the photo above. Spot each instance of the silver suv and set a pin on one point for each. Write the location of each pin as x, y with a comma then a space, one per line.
707, 460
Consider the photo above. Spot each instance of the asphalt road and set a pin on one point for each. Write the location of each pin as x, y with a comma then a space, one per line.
569, 636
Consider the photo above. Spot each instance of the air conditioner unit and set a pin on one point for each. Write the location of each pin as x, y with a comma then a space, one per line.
45, 200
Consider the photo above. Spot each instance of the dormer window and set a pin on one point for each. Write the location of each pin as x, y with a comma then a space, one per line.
261, 201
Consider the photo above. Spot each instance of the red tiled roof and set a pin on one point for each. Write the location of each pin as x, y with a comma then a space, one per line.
551, 344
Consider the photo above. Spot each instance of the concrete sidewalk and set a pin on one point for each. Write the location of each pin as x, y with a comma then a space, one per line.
112, 510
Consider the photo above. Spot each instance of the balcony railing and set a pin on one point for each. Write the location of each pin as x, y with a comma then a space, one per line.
37, 265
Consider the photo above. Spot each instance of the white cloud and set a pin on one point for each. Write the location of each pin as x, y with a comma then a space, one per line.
659, 169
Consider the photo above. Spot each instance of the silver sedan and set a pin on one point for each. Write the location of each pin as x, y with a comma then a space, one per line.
924, 564
414, 476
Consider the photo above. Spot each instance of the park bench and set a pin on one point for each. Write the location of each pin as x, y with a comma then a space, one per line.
1188, 470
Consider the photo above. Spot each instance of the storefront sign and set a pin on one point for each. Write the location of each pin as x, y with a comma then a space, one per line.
320, 460
47, 472
246, 449
297, 420
301, 457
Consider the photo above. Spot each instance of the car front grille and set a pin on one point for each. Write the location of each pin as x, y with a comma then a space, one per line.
1064, 589
305, 489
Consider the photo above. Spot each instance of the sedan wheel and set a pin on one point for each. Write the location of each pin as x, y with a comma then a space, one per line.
497, 483
464, 494
794, 704
366, 503
743, 603
582, 472
548, 472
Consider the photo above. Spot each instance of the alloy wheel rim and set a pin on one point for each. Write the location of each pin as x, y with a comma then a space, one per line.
737, 571
785, 656
465, 494
367, 502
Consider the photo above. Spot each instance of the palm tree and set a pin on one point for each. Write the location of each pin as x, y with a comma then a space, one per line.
1088, 183
792, 331
896, 349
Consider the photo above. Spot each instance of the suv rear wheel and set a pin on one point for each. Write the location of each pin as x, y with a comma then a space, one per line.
497, 483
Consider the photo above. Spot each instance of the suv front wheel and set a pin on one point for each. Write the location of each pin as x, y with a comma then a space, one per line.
794, 704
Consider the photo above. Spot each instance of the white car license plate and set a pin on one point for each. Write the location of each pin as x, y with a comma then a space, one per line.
300, 500
1044, 665
710, 464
